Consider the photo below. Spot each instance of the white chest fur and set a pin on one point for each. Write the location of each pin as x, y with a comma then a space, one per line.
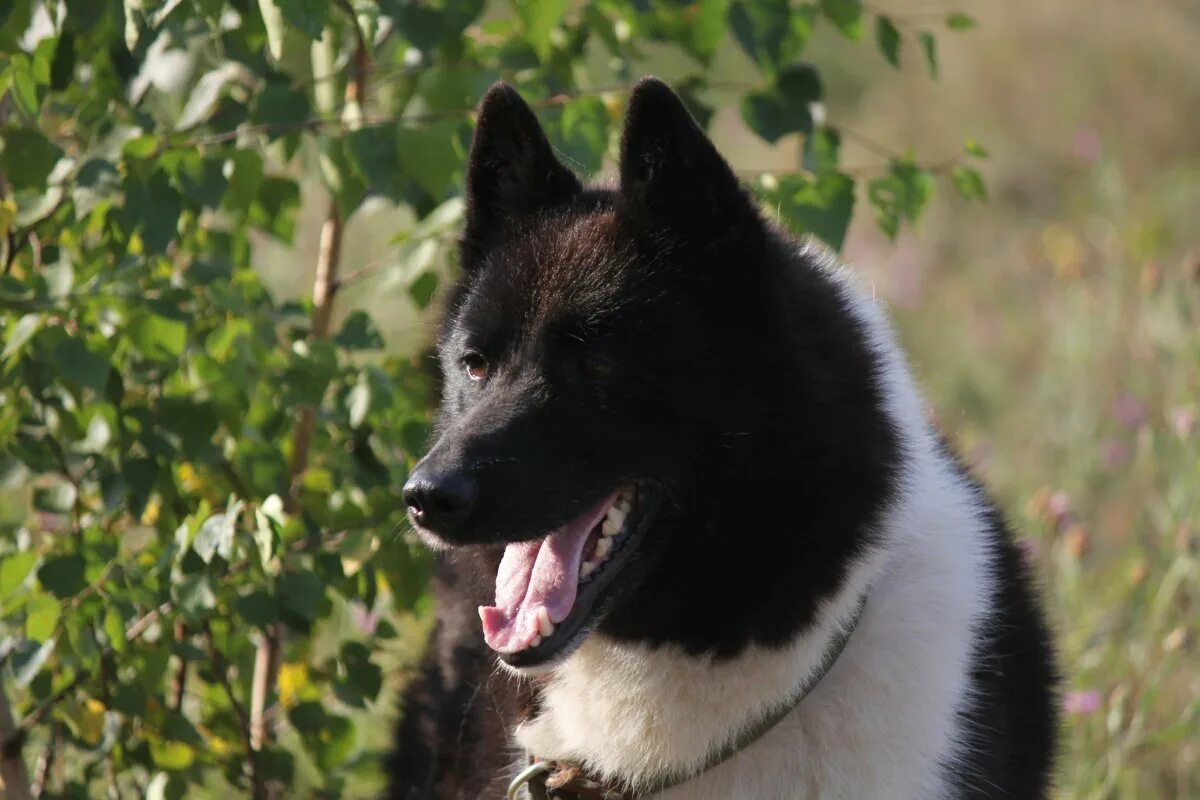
881, 724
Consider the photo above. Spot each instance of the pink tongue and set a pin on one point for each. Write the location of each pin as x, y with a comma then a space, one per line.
533, 575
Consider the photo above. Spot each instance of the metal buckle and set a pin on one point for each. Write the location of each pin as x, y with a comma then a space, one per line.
525, 776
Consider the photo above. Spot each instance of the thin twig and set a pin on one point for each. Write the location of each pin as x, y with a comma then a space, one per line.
46, 761
12, 763
220, 668
179, 681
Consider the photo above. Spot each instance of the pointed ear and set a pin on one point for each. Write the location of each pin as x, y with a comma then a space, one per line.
670, 171
511, 172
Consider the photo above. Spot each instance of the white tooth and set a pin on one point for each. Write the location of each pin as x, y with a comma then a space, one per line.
587, 569
616, 515
610, 527
624, 504
545, 626
603, 548
536, 641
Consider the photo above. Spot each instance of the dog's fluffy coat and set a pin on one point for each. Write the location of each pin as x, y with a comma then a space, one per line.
765, 394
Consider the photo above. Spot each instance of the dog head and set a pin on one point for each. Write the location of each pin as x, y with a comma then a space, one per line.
584, 354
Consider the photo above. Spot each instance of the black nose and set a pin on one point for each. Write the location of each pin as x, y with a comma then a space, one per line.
440, 502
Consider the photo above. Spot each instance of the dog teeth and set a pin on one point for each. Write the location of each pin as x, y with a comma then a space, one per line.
545, 626
587, 569
613, 522
536, 641
603, 548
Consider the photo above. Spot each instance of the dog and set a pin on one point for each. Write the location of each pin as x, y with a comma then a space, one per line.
717, 546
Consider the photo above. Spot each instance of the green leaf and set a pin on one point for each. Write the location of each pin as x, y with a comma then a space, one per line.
366, 677
14, 569
78, 365
307, 16
540, 18
771, 32
256, 608
140, 475
281, 107
785, 107
152, 207
359, 333
821, 206
302, 594
59, 277
41, 617
958, 21
114, 629
175, 756
974, 148
63, 576
358, 401
579, 131
203, 99
56, 498
246, 173
27, 665
274, 207
194, 594
216, 534
423, 289
18, 333
430, 156
703, 27
373, 149
901, 195
24, 89
341, 177
929, 47
918, 188
28, 158
969, 183
158, 338
846, 15
95, 181
272, 18
888, 38
821, 149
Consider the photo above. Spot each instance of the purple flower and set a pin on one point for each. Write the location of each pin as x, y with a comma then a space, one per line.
1183, 419
1087, 146
1115, 453
1086, 701
1129, 410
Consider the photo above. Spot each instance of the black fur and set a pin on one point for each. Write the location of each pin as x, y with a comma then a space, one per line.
737, 382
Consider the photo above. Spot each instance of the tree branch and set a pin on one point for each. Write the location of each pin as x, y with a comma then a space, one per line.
325, 285
12, 763
220, 667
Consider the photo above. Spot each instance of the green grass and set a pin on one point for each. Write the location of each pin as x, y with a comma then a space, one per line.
1056, 329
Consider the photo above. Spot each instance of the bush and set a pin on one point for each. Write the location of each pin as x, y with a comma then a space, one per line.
204, 563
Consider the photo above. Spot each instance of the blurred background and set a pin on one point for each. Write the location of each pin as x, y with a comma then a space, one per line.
1053, 317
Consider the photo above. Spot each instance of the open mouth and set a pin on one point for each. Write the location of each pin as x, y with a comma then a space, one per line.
549, 590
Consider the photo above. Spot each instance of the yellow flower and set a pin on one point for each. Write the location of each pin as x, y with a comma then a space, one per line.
292, 680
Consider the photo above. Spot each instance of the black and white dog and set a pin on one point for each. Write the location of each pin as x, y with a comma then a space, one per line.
725, 554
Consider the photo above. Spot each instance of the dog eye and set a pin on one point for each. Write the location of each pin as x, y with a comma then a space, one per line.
475, 365
596, 368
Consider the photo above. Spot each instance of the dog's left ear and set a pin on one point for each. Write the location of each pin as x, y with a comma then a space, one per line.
670, 171
511, 172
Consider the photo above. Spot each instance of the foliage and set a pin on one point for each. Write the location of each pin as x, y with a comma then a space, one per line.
208, 475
